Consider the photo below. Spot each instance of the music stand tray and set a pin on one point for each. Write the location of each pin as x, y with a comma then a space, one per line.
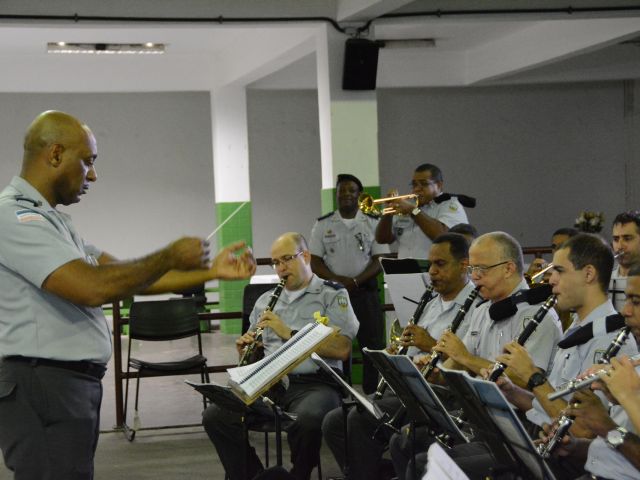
499, 425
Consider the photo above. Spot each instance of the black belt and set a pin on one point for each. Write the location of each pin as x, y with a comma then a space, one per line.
96, 370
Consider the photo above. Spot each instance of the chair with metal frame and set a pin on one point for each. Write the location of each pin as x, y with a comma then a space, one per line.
162, 321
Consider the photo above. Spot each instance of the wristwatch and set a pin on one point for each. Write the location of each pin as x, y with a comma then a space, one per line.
535, 380
615, 437
415, 211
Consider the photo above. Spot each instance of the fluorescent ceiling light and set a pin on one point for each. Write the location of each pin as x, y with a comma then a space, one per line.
107, 48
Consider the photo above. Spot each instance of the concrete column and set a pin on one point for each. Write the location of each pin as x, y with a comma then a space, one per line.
231, 180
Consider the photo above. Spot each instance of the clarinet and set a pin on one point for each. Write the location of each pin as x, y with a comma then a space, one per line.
434, 358
251, 352
498, 367
426, 298
566, 421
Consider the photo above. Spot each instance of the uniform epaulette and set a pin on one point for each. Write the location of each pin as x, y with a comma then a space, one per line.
326, 216
334, 285
372, 215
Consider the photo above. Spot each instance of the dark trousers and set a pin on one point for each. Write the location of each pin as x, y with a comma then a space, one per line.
366, 305
365, 451
310, 400
49, 421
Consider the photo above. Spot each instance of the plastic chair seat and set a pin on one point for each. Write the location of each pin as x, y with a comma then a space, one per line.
191, 363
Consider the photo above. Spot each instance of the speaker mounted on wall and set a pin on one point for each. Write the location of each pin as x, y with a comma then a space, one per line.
360, 64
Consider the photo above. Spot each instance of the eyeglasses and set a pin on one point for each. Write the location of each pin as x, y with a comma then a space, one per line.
421, 183
480, 270
275, 263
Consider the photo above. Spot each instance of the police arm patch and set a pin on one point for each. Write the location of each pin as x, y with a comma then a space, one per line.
25, 216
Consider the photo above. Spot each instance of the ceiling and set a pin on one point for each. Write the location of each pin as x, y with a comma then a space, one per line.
216, 43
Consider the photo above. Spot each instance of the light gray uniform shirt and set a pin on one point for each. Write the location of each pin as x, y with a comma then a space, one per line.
437, 317
35, 240
569, 362
486, 338
346, 247
296, 311
412, 242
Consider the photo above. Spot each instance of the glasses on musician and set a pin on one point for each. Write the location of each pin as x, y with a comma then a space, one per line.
284, 260
480, 270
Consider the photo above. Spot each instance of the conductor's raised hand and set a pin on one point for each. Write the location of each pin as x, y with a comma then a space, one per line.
234, 262
188, 253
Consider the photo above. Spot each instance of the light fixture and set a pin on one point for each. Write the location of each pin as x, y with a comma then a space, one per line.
148, 48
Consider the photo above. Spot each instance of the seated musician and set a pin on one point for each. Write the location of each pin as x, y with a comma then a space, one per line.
448, 272
496, 265
579, 279
625, 240
309, 395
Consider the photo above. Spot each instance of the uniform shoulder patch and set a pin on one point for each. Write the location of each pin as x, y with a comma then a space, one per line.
334, 285
453, 206
343, 302
25, 216
325, 216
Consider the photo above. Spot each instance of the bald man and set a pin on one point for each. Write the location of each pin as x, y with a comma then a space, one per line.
54, 339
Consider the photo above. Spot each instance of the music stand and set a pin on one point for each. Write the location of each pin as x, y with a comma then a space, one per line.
224, 397
405, 279
500, 427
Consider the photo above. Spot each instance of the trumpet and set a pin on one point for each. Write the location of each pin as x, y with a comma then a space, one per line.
251, 352
369, 205
536, 276
395, 334
498, 367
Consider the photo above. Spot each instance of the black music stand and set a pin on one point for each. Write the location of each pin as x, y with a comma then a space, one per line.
422, 404
225, 398
499, 426
358, 399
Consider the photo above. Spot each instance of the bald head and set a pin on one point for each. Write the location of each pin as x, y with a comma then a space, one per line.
292, 238
508, 247
49, 128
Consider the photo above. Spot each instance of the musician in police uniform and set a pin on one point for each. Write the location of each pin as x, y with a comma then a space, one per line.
54, 339
580, 278
625, 238
448, 259
343, 249
496, 266
414, 227
309, 395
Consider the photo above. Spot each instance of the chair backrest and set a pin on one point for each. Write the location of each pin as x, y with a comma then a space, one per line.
197, 293
163, 320
249, 297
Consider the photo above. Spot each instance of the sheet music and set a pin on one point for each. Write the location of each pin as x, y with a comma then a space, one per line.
441, 466
252, 378
405, 289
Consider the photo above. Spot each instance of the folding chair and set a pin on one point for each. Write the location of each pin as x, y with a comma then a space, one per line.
162, 321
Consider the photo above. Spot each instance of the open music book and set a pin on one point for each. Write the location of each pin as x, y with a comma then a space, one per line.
251, 381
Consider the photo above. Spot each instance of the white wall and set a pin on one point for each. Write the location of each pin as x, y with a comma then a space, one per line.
155, 176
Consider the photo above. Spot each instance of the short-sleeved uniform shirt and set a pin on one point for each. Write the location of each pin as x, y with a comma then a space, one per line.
297, 310
486, 338
438, 315
569, 362
411, 240
35, 240
346, 246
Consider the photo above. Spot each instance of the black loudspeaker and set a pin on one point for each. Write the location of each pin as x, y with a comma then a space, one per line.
360, 64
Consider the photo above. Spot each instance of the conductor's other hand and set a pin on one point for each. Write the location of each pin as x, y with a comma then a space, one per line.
234, 262
189, 253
